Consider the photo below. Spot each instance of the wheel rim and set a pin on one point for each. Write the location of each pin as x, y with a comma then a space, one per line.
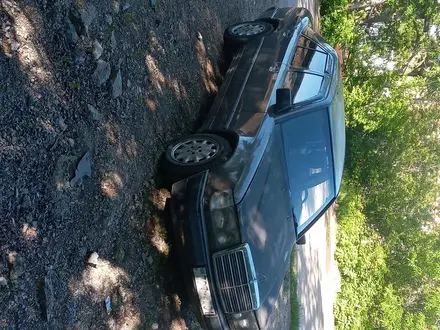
248, 29
193, 151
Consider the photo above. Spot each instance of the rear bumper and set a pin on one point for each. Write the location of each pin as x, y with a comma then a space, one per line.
191, 244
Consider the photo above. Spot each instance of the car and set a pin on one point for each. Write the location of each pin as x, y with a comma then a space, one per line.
265, 165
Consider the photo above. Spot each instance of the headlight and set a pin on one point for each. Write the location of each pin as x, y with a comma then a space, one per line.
244, 320
224, 225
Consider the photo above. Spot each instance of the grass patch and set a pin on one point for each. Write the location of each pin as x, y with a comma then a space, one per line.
294, 303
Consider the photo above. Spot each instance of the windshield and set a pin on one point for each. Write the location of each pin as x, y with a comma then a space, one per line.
308, 154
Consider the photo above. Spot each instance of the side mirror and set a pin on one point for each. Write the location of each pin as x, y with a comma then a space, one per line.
301, 240
283, 99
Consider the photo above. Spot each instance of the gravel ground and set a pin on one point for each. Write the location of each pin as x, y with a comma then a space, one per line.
90, 94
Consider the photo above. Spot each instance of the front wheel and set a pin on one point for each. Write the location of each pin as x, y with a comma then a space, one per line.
240, 33
193, 154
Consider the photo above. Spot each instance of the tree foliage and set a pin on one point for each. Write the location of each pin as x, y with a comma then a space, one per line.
389, 235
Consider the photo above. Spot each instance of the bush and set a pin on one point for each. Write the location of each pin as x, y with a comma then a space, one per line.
361, 261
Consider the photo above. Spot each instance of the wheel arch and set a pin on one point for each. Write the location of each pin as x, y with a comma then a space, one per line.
272, 21
231, 136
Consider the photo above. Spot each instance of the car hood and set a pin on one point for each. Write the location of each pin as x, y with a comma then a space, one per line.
267, 226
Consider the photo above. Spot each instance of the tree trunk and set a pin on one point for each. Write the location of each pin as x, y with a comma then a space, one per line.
362, 5
385, 16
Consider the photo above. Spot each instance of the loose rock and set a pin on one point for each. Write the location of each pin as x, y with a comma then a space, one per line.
97, 49
199, 36
102, 72
72, 36
113, 41
108, 19
93, 258
119, 253
96, 115
15, 45
126, 6
116, 85
88, 14
150, 260
83, 169
62, 124
16, 268
3, 281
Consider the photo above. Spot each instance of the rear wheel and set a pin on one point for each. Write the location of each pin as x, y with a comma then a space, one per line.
193, 154
239, 34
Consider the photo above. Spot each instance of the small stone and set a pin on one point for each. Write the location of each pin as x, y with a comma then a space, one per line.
35, 224
145, 256
93, 258
199, 36
119, 253
113, 41
83, 169
126, 6
3, 281
15, 45
72, 36
154, 326
116, 85
71, 142
102, 72
97, 49
108, 19
128, 83
116, 6
62, 124
108, 304
96, 115
17, 268
88, 14
27, 202
150, 260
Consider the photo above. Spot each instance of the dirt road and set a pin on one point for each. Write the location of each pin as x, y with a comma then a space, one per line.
91, 91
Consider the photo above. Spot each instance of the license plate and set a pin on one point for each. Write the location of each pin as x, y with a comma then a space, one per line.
202, 286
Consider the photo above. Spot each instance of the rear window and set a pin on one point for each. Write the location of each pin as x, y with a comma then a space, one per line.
307, 69
308, 155
309, 55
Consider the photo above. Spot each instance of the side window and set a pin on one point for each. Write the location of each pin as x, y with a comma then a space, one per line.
304, 86
308, 155
307, 71
309, 55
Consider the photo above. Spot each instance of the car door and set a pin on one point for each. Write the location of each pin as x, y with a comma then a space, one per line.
306, 140
246, 98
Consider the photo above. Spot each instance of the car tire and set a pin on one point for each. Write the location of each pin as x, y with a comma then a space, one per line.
301, 240
193, 154
239, 34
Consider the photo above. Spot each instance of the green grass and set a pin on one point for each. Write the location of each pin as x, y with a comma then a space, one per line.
294, 303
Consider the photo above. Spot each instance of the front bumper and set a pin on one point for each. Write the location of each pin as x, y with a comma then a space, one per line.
191, 244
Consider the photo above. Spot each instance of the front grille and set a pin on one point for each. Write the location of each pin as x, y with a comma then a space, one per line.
235, 277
